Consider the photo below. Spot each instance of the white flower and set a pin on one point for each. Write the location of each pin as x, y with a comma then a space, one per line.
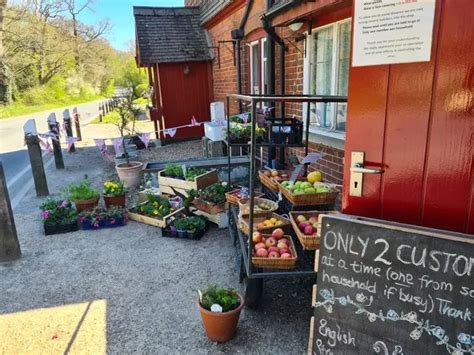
216, 308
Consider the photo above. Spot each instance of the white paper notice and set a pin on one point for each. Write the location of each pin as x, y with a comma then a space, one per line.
392, 31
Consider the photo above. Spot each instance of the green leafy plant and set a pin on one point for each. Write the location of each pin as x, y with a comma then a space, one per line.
192, 223
238, 118
192, 173
82, 190
155, 206
58, 212
176, 171
113, 188
227, 298
214, 193
241, 134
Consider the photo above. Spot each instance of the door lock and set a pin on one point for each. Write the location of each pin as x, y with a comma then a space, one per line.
357, 173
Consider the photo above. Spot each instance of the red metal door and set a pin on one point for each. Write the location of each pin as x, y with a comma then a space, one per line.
185, 92
416, 122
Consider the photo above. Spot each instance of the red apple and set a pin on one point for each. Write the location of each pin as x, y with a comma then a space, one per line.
273, 254
284, 240
257, 237
281, 245
300, 218
302, 225
308, 230
260, 246
273, 249
278, 233
270, 242
284, 250
285, 256
261, 253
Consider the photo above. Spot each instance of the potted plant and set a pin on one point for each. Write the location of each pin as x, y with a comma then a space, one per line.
220, 311
100, 218
83, 194
156, 211
241, 134
128, 171
191, 227
114, 194
58, 216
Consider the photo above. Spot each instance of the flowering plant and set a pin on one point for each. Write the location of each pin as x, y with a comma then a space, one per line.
113, 188
56, 212
98, 217
155, 206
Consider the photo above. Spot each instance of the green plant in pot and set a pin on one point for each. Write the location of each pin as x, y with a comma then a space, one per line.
189, 226
130, 171
220, 311
114, 194
83, 194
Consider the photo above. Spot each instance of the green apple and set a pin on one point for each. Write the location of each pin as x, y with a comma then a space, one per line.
305, 185
298, 192
310, 190
285, 183
298, 183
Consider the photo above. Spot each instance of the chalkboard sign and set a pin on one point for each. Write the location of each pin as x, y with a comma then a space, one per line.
388, 288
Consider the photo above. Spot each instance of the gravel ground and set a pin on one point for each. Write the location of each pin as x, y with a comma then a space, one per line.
149, 283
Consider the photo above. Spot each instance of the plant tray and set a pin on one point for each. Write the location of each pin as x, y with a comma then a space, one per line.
259, 217
309, 242
221, 219
119, 222
200, 182
277, 263
50, 229
168, 233
315, 199
159, 221
209, 207
244, 205
233, 197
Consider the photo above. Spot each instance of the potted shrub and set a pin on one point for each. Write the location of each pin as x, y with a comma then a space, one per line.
129, 171
100, 218
83, 194
58, 216
114, 194
220, 311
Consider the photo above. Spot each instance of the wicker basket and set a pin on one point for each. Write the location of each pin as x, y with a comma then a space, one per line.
277, 263
244, 224
268, 181
309, 242
208, 207
318, 198
233, 197
244, 205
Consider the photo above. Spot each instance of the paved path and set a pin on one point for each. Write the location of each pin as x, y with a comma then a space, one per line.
13, 153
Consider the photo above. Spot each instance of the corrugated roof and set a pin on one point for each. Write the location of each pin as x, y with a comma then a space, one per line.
169, 35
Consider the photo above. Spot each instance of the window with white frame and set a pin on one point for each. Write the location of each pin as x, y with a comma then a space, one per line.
329, 74
254, 68
263, 45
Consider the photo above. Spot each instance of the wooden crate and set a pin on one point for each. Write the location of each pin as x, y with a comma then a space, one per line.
220, 219
198, 183
318, 198
158, 221
309, 242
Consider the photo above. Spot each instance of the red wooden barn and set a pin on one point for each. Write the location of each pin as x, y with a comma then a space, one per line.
173, 47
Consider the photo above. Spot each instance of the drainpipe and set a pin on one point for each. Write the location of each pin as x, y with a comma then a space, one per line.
237, 35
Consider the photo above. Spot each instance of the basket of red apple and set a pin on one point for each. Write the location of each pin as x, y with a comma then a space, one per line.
271, 178
273, 251
236, 195
307, 226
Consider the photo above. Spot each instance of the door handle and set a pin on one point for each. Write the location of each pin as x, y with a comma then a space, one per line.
359, 168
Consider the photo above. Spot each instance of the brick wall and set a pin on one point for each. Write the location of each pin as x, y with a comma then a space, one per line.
225, 80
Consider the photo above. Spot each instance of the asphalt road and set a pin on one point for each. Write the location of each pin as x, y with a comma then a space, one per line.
13, 153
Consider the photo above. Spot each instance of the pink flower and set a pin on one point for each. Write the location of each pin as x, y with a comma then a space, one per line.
45, 214
64, 204
96, 225
112, 221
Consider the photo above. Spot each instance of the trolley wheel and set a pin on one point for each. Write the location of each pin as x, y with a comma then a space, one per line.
253, 291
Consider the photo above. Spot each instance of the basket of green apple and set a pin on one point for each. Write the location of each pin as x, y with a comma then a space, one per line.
305, 193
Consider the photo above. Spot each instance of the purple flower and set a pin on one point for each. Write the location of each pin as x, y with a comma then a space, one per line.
232, 136
64, 204
96, 225
45, 214
112, 221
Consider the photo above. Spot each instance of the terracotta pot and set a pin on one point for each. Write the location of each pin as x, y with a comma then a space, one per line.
114, 201
130, 174
221, 327
82, 205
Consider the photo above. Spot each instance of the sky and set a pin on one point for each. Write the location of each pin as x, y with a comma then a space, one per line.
120, 14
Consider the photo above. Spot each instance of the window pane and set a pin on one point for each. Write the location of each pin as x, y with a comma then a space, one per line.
344, 39
255, 70
322, 75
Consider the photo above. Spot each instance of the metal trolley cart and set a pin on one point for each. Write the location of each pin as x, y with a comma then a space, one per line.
251, 276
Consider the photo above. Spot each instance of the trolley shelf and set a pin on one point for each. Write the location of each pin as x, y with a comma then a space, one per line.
276, 145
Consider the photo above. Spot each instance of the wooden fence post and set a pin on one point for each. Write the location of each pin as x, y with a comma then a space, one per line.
36, 159
68, 129
100, 113
9, 244
58, 153
77, 122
